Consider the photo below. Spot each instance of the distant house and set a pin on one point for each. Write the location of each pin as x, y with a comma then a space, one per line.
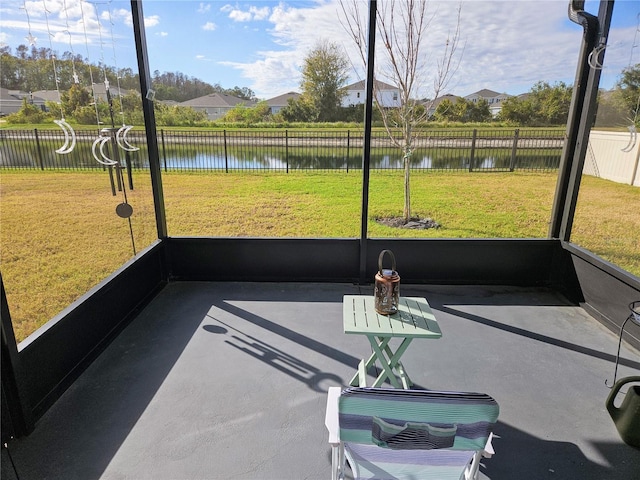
100, 91
47, 95
432, 105
278, 103
494, 99
388, 95
169, 103
11, 101
216, 105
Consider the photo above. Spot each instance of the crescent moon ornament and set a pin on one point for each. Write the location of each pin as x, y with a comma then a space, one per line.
103, 142
106, 160
121, 139
69, 137
633, 137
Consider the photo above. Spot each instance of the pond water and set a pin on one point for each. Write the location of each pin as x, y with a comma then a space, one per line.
332, 162
215, 157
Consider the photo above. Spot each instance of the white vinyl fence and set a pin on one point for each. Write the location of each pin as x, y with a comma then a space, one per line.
613, 156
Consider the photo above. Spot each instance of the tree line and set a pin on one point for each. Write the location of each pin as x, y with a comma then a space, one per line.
30, 69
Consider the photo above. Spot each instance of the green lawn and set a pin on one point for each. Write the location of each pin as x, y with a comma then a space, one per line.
60, 236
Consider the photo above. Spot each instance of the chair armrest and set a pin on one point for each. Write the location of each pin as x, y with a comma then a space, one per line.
488, 451
331, 415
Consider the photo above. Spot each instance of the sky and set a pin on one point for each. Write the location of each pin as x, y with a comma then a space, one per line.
505, 46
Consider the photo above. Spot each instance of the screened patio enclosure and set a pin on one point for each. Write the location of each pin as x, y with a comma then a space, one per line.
38, 372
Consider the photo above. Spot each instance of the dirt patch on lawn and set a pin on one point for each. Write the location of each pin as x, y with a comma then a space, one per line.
415, 223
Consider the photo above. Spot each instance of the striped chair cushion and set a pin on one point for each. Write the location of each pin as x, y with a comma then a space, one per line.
434, 419
394, 434
412, 435
369, 462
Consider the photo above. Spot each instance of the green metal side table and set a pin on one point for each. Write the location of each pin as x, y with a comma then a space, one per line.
414, 319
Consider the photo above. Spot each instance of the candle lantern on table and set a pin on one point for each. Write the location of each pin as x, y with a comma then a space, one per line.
387, 286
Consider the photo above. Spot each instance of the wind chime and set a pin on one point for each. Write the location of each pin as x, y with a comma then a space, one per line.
113, 138
69, 134
105, 149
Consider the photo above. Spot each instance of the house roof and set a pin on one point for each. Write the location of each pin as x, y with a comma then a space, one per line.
484, 93
6, 94
14, 98
216, 100
282, 100
437, 101
47, 95
100, 89
379, 85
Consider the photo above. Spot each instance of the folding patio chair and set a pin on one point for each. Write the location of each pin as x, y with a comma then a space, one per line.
387, 433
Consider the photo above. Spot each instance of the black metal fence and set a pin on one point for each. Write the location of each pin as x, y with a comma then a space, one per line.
285, 150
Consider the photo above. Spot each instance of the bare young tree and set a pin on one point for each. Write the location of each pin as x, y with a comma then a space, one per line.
407, 61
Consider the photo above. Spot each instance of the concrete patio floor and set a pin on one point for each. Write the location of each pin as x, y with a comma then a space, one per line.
229, 381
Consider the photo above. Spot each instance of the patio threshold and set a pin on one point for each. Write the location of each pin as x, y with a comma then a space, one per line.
219, 380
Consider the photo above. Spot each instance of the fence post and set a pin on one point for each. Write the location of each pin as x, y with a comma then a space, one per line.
286, 148
226, 158
635, 167
473, 149
514, 149
35, 130
164, 150
348, 142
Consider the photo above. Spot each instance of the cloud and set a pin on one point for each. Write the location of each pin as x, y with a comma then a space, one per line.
275, 73
202, 58
125, 16
504, 46
259, 13
239, 16
151, 21
162, 34
252, 14
294, 31
204, 8
77, 24
209, 26
118, 14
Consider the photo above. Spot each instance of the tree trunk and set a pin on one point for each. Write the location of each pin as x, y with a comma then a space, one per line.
407, 194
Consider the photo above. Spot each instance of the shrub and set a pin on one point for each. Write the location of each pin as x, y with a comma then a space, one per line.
28, 113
